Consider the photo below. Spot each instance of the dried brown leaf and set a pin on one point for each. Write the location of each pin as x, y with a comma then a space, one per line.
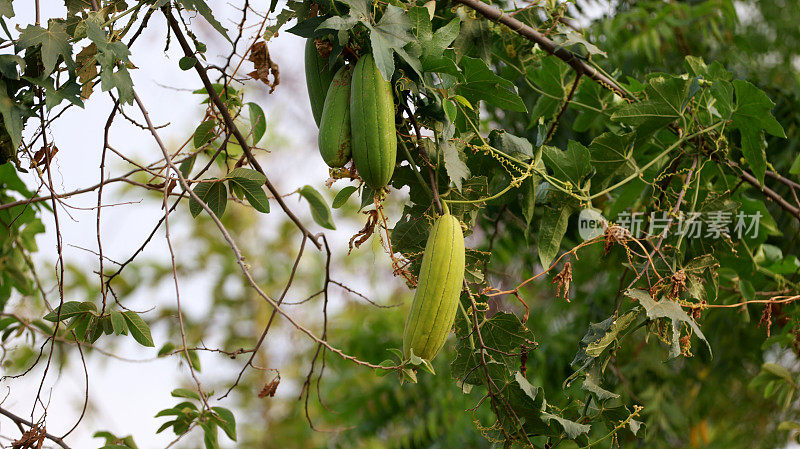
264, 66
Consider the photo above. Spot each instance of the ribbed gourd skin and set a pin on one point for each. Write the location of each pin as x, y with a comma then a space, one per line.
436, 299
318, 78
334, 128
373, 138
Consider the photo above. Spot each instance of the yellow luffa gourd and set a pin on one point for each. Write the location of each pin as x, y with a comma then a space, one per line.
438, 291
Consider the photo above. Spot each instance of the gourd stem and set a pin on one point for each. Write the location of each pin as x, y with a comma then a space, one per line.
466, 317
414, 167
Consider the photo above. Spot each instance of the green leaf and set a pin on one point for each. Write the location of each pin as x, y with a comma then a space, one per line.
187, 62
666, 98
70, 309
450, 109
753, 107
442, 39
457, 169
571, 428
611, 155
343, 195
410, 233
194, 359
481, 83
284, 16
6, 8
166, 349
528, 201
752, 115
602, 394
166, 426
14, 115
214, 194
118, 323
360, 10
388, 36
504, 334
54, 41
241, 174
572, 38
474, 188
319, 208
210, 437
595, 348
753, 152
186, 166
668, 309
747, 290
204, 133
226, 421
185, 393
552, 228
432, 44
9, 64
571, 165
185, 408
110, 54
510, 144
422, 363
80, 325
70, 91
528, 402
139, 330
367, 197
258, 122
420, 21
252, 184
795, 168
201, 7
778, 371
7, 321
552, 79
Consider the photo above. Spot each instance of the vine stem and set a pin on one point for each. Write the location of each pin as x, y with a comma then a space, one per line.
556, 183
568, 100
656, 159
414, 167
434, 184
123, 13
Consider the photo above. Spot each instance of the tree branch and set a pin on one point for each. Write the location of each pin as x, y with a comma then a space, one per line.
226, 116
771, 194
24, 421
578, 64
